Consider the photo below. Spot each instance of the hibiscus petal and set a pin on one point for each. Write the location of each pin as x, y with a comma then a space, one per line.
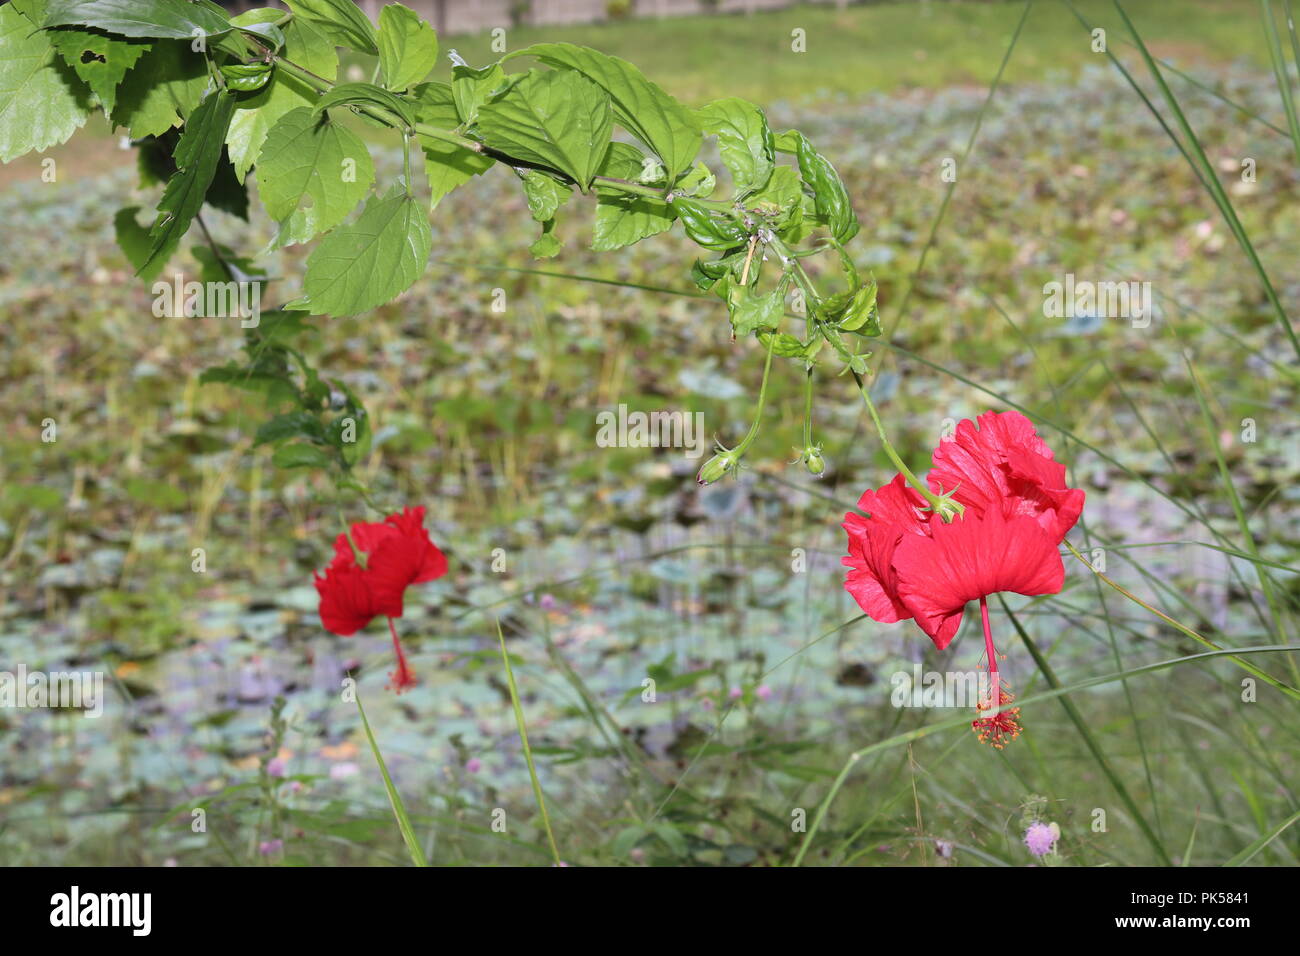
346, 602
973, 557
893, 513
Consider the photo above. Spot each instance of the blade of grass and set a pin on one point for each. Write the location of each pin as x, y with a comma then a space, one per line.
394, 798
964, 721
1265, 582
1211, 181
528, 752
1247, 854
1280, 72
1088, 739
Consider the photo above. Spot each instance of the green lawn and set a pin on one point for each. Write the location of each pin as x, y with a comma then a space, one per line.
890, 45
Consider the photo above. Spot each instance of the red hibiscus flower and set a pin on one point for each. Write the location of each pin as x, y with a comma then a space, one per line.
906, 562
371, 572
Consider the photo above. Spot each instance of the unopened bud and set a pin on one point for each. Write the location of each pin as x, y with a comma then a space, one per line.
716, 467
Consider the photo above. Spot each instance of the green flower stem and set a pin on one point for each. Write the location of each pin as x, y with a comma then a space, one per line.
807, 408
762, 398
937, 504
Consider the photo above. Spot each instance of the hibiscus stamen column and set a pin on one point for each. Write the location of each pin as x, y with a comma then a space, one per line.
1004, 725
402, 678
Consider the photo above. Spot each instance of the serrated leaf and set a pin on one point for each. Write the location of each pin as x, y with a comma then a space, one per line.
100, 60
408, 47
750, 312
366, 263
197, 155
830, 198
42, 102
161, 90
646, 111
306, 45
341, 20
306, 160
558, 119
745, 141
622, 220
155, 19
448, 166
471, 88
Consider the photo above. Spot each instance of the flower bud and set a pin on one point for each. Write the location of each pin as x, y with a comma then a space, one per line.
716, 467
814, 462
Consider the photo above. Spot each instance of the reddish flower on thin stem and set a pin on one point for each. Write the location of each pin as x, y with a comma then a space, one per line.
907, 562
373, 565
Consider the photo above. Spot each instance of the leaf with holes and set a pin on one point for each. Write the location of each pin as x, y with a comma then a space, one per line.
150, 19
42, 102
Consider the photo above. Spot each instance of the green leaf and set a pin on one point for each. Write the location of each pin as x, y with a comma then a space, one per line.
646, 111
781, 200
745, 141
299, 455
750, 312
296, 424
544, 195
306, 45
408, 47
622, 219
133, 240
446, 164
341, 20
197, 154
311, 174
557, 119
625, 161
156, 19
246, 77
102, 61
829, 195
449, 166
163, 88
42, 102
548, 244
366, 263
366, 94
471, 88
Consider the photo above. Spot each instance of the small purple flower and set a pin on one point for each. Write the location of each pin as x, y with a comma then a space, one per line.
763, 692
546, 602
736, 693
1040, 838
275, 767
474, 765
267, 847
